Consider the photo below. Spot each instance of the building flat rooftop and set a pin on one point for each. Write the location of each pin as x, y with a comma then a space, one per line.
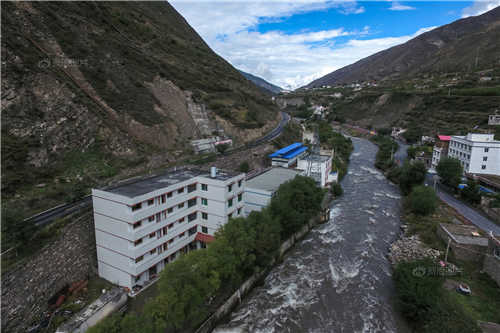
272, 179
463, 234
316, 158
135, 188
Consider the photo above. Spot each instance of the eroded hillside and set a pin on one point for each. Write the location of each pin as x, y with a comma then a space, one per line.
92, 88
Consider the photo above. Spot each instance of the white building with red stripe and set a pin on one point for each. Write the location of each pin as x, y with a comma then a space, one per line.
141, 226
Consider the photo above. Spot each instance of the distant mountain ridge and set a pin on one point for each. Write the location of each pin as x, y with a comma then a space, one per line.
261, 83
469, 44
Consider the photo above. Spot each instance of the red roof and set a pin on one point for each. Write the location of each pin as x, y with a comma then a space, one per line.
444, 137
204, 238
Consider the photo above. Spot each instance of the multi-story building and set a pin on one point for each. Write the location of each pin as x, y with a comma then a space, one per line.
440, 149
318, 167
478, 153
260, 189
143, 225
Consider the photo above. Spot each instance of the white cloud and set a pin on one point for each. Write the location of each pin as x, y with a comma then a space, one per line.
395, 5
480, 7
288, 60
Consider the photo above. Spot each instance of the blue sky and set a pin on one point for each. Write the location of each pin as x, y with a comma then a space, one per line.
293, 43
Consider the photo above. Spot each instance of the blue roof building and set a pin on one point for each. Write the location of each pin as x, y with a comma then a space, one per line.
288, 156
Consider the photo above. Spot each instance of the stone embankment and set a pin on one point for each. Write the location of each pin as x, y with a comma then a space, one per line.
409, 248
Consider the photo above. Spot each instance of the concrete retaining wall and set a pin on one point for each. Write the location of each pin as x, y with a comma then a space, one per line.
245, 288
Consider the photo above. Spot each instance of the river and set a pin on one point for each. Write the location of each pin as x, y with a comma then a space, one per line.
337, 279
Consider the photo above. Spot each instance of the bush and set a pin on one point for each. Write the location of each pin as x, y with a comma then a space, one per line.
450, 170
411, 175
423, 200
425, 304
417, 293
336, 189
471, 193
244, 167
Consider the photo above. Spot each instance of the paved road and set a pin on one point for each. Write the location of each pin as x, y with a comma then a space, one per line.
469, 213
51, 214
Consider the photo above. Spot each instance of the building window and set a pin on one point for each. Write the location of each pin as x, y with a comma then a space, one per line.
230, 202
180, 190
230, 215
138, 278
151, 218
229, 187
191, 188
139, 259
181, 220
204, 202
151, 202
193, 230
170, 210
204, 216
137, 206
165, 246
138, 242
191, 202
181, 235
486, 150
239, 211
483, 166
152, 235
192, 217
180, 205
165, 230
204, 230
240, 196
171, 225
204, 187
485, 158
171, 241
169, 194
137, 224
163, 198
153, 251
240, 182
158, 217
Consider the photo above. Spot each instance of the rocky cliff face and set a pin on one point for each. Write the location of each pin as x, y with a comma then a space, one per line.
90, 88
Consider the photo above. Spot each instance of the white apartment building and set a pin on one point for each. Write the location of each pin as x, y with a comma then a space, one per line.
143, 225
260, 189
478, 153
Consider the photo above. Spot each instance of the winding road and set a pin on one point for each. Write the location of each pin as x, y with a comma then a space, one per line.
46, 217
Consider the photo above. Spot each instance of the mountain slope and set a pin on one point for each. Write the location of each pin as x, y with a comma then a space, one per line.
260, 82
469, 44
90, 89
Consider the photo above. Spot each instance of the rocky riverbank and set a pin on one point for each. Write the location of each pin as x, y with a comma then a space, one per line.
410, 248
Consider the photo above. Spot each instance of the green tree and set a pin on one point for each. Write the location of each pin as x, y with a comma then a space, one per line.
295, 202
244, 166
267, 238
15, 231
185, 286
471, 193
412, 174
423, 200
450, 170
336, 189
222, 148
